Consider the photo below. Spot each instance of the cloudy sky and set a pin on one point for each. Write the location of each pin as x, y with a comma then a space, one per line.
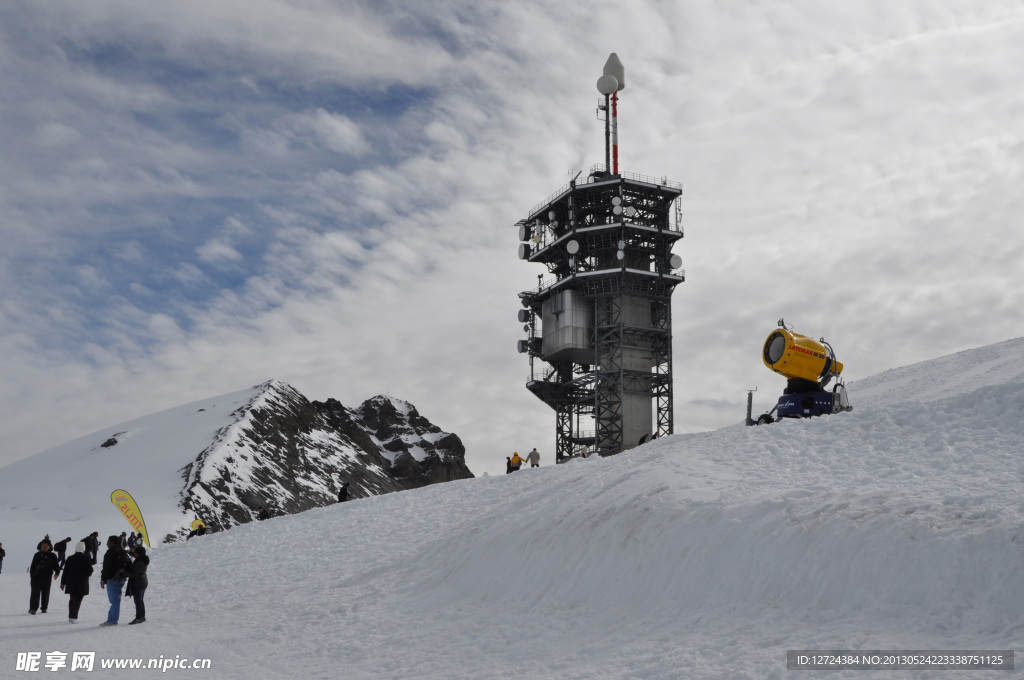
196, 197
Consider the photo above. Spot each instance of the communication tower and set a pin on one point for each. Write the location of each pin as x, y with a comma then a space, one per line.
601, 323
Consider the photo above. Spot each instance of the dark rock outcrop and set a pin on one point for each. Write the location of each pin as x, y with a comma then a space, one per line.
289, 454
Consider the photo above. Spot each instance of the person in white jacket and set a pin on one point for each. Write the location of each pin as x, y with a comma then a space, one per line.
533, 458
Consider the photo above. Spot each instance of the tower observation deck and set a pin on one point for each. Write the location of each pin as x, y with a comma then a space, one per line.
599, 327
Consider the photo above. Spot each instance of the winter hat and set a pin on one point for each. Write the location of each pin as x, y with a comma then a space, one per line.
115, 539
80, 547
140, 551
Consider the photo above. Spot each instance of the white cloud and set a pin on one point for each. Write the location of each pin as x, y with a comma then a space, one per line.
216, 252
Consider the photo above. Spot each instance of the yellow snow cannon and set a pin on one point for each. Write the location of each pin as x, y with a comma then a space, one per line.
798, 356
808, 366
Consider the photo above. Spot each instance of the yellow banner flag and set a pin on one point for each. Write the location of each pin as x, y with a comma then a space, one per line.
130, 509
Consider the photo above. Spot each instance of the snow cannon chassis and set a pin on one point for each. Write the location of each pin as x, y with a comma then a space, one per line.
806, 404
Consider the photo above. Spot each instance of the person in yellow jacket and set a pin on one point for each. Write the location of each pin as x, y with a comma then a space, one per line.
517, 462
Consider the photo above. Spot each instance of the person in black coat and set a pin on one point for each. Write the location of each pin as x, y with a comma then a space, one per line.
44, 565
3, 554
92, 545
343, 493
61, 548
138, 582
115, 569
75, 581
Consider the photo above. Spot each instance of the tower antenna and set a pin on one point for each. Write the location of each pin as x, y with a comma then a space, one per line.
610, 84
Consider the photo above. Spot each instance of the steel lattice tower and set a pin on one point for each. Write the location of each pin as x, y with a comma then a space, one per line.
602, 322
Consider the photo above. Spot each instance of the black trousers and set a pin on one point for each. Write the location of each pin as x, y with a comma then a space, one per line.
73, 605
40, 590
140, 605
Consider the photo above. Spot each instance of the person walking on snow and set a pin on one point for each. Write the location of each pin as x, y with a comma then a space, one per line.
44, 564
75, 581
517, 462
115, 567
533, 457
137, 583
61, 548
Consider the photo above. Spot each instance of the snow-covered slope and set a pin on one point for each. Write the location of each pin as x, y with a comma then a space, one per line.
898, 525
219, 460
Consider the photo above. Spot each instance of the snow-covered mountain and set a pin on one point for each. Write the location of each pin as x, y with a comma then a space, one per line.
222, 458
899, 525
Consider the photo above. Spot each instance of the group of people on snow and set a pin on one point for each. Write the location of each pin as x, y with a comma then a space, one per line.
514, 462
125, 561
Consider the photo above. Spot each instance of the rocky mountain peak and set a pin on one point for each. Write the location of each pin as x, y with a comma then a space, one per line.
289, 454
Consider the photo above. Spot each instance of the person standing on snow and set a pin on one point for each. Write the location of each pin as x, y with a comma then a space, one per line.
137, 583
517, 462
115, 567
44, 564
92, 545
343, 493
75, 581
533, 457
131, 542
508, 464
3, 554
61, 548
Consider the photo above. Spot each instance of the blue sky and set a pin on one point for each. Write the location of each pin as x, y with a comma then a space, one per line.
199, 197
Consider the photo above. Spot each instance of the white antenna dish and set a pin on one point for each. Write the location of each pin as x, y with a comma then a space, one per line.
607, 85
614, 68
572, 247
675, 261
524, 251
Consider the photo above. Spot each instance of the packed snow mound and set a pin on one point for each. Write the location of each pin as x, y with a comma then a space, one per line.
895, 526
946, 376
